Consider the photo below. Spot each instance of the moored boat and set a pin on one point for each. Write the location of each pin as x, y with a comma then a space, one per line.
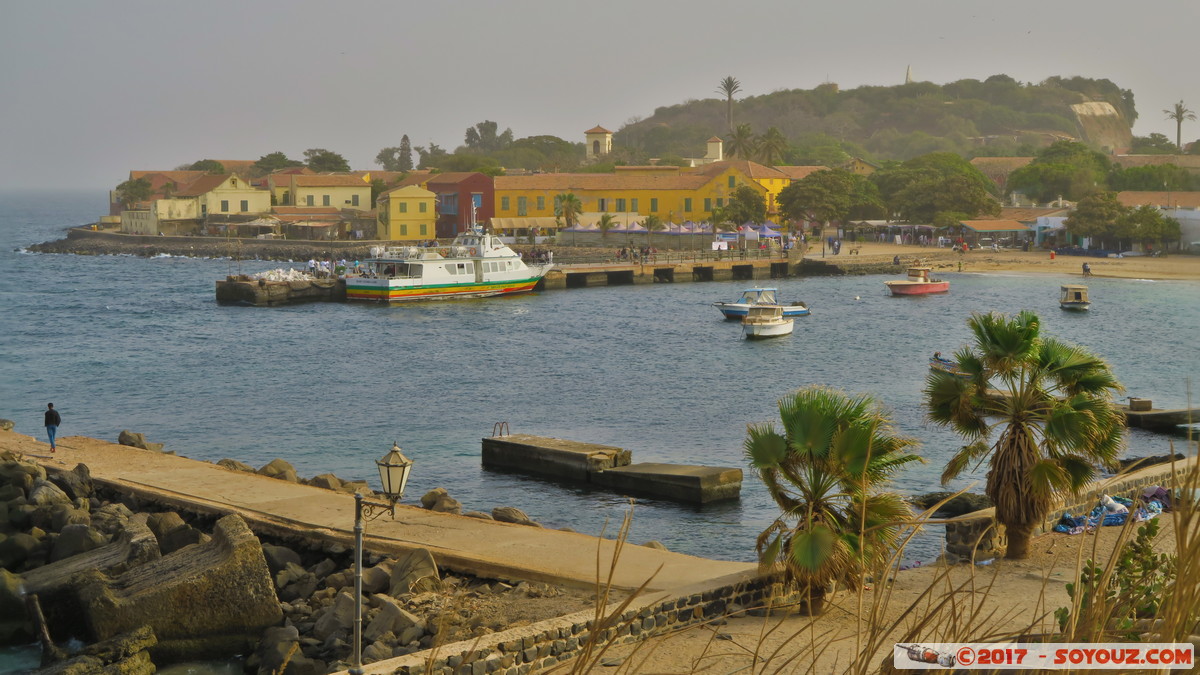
919, 282
476, 265
1074, 297
759, 296
763, 321
936, 362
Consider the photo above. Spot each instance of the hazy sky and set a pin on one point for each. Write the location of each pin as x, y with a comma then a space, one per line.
90, 90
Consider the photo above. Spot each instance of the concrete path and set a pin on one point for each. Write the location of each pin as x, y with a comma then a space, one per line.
470, 545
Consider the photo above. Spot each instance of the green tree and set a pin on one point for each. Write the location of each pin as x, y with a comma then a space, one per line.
1052, 421
1153, 177
275, 161
431, 156
133, 191
924, 186
741, 143
208, 166
1179, 113
567, 207
607, 222
483, 137
653, 224
1154, 144
1096, 216
745, 205
826, 468
1063, 169
823, 196
727, 88
321, 160
397, 158
772, 147
1148, 224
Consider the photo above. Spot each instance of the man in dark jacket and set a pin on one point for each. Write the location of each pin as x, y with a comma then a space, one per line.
52, 421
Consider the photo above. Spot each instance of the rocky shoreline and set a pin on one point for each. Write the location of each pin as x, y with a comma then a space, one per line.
148, 586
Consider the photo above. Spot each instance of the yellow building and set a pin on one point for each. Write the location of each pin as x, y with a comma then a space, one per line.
226, 194
672, 194
407, 213
184, 206
338, 190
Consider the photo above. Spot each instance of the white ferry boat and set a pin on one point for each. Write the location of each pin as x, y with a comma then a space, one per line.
476, 265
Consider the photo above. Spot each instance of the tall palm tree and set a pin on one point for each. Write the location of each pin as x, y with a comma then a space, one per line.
727, 88
1048, 419
1179, 113
826, 469
567, 207
772, 147
741, 142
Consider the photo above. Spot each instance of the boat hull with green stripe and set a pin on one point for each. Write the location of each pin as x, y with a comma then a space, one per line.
476, 265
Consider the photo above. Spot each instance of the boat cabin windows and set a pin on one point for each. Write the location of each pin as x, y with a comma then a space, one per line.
397, 270
455, 269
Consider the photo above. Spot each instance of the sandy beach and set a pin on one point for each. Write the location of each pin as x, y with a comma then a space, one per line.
986, 261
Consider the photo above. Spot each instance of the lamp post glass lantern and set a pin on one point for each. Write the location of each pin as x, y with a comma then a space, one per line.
394, 468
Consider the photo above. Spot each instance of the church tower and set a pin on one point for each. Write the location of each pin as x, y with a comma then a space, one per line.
599, 142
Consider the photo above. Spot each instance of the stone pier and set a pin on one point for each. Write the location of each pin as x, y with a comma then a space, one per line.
610, 467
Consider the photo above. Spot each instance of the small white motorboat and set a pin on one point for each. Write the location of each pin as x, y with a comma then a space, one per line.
764, 321
1074, 297
759, 296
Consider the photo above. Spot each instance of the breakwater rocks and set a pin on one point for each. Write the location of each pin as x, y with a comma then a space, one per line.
245, 290
148, 586
81, 241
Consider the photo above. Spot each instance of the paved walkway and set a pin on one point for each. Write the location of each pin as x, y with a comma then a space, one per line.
460, 543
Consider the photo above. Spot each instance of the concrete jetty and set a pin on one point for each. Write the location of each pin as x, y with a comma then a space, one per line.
291, 510
610, 467
1140, 413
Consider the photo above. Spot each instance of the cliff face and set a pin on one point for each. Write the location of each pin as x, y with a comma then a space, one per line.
1101, 125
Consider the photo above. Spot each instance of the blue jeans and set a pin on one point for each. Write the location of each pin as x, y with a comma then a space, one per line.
51, 429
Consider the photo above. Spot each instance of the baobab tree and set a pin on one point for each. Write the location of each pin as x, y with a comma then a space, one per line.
1179, 113
728, 87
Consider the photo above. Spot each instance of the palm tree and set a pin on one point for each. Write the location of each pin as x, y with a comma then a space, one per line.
772, 147
741, 142
607, 222
1051, 403
653, 224
728, 87
825, 469
1179, 113
568, 207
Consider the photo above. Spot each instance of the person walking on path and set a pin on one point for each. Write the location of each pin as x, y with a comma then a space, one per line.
53, 419
1087, 270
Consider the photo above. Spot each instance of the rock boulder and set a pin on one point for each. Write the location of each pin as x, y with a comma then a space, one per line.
137, 440
414, 572
210, 599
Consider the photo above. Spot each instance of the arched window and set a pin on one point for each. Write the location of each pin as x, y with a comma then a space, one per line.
595, 147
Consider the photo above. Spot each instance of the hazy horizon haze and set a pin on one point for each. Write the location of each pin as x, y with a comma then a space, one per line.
91, 91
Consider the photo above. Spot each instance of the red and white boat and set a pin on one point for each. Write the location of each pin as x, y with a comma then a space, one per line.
918, 283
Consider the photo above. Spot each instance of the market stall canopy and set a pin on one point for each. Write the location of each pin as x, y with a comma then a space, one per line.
994, 225
531, 223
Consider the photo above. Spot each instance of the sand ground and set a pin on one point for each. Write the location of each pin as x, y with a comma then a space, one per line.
1003, 597
1032, 262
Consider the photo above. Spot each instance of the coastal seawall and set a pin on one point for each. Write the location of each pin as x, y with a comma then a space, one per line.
978, 535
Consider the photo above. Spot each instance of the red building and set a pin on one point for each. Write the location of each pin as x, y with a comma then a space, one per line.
457, 194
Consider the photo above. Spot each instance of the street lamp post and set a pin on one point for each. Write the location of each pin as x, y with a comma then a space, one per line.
394, 468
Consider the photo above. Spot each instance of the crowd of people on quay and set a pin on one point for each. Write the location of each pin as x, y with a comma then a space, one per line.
636, 254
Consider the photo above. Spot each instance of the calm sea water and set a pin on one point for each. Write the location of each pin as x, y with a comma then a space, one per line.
131, 343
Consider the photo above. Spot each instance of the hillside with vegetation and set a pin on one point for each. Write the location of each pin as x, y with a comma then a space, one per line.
996, 116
